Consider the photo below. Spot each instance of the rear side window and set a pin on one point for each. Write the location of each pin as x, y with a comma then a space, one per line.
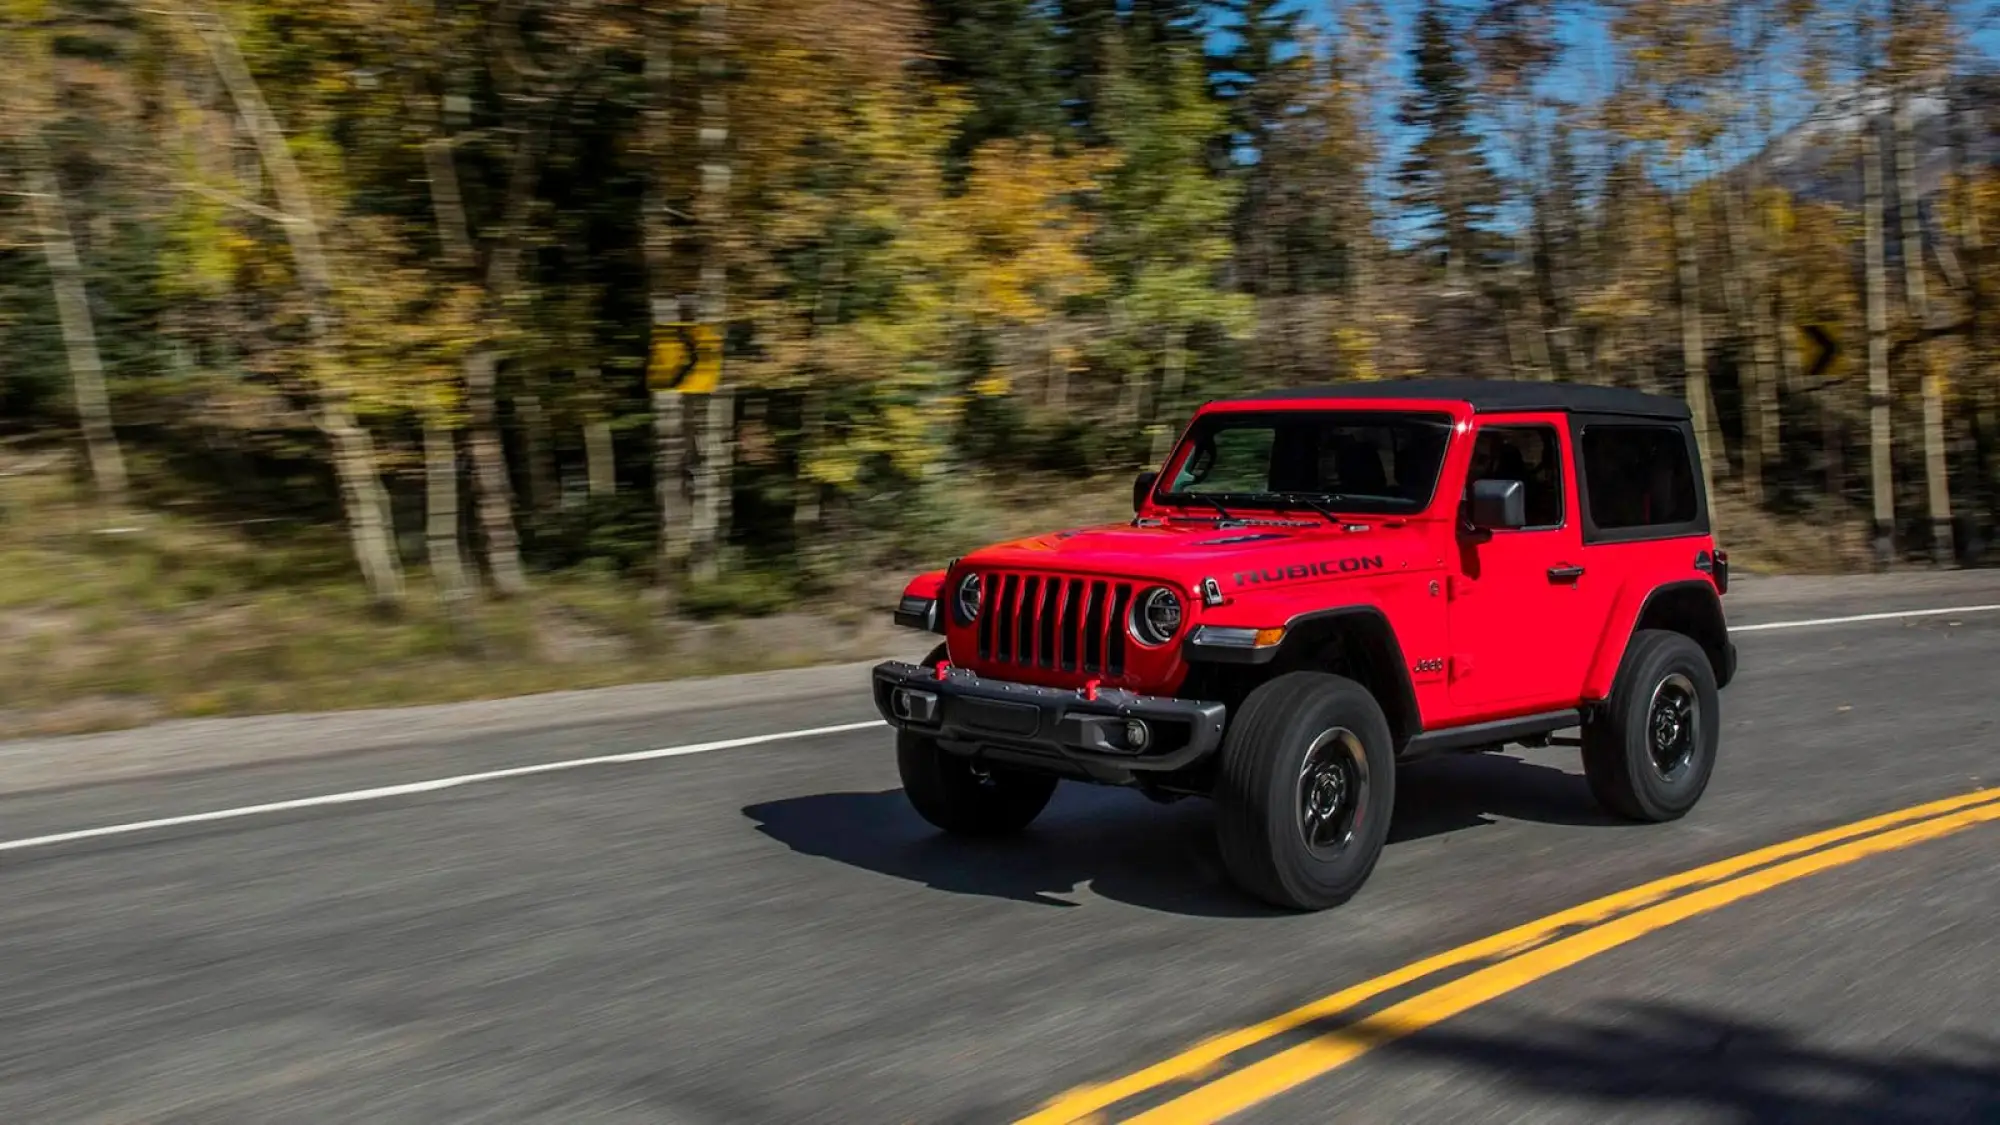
1639, 476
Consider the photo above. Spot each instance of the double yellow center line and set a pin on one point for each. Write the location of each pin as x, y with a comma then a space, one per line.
1510, 960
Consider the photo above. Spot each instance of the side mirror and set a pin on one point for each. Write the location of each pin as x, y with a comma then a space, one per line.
1499, 505
1142, 488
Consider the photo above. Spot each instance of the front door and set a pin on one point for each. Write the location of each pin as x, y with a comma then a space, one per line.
1523, 614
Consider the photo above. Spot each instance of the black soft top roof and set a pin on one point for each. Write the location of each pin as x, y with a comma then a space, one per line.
1489, 396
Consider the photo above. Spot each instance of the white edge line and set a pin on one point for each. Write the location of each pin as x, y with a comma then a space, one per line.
1865, 617
431, 786
436, 784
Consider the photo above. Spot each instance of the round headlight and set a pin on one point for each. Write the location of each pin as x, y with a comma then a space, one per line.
968, 599
1156, 616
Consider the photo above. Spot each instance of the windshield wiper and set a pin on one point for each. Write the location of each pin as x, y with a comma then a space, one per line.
1213, 503
1307, 500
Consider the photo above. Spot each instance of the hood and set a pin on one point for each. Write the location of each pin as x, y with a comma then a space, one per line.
1188, 551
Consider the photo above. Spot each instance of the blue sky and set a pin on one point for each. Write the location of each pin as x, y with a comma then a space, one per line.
1589, 57
1583, 29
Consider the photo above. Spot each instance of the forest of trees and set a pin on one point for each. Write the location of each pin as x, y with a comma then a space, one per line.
396, 267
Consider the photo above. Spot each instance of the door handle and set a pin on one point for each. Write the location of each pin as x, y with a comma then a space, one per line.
1565, 573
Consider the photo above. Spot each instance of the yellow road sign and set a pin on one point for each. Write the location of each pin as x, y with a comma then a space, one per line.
1819, 349
687, 359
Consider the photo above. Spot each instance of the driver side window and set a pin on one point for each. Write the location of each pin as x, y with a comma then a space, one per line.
1529, 454
1237, 460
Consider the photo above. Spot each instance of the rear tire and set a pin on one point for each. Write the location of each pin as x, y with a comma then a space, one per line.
960, 798
1649, 752
1305, 789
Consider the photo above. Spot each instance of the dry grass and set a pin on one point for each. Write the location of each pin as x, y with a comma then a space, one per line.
111, 622
1760, 543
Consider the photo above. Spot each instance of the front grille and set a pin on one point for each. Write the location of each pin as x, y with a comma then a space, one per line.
1053, 622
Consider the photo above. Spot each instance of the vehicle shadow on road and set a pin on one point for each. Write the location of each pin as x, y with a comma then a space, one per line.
1656, 1057
1450, 794
1123, 846
1131, 850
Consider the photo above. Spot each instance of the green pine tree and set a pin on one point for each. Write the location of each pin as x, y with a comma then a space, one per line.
1262, 79
1150, 34
1445, 184
1003, 55
1165, 240
1257, 75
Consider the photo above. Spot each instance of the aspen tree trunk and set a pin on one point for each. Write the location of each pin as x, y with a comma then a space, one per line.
1361, 290
1766, 418
1537, 335
79, 334
441, 459
441, 513
489, 473
670, 452
489, 453
541, 450
371, 525
1750, 307
670, 471
722, 442
1972, 250
1768, 350
1058, 381
806, 492
715, 444
1936, 473
1527, 317
806, 497
1173, 367
600, 453
599, 458
1553, 324
1693, 347
1131, 408
1519, 365
493, 497
1877, 300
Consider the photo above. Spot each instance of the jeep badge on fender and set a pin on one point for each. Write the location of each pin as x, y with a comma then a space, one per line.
1435, 565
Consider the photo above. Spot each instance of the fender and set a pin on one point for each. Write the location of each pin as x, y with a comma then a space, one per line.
918, 607
1671, 604
1389, 673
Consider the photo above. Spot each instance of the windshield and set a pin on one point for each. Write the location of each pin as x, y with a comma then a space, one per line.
1377, 462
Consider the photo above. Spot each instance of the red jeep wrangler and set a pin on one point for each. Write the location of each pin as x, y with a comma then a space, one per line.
1319, 585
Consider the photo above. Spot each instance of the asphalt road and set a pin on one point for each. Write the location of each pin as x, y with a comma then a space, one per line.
765, 933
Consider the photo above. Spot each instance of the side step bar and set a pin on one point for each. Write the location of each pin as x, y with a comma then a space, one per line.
1498, 732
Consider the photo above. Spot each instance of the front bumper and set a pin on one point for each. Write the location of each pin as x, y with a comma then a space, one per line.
1050, 727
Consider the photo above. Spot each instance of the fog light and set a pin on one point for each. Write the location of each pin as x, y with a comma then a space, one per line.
914, 706
1136, 734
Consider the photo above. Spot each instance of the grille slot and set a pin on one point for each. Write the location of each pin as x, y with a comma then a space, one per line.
1114, 631
1024, 616
1046, 623
1054, 622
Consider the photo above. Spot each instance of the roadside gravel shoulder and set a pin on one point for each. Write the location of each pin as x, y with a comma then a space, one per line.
206, 744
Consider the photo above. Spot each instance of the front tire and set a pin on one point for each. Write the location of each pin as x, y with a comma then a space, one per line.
967, 800
960, 798
1305, 790
1649, 753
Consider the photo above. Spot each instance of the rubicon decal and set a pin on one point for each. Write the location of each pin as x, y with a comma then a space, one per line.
1303, 571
